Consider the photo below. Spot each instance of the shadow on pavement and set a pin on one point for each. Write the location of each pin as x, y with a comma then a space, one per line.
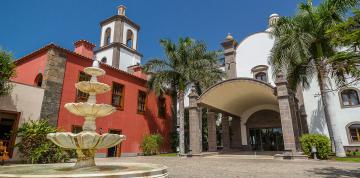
331, 172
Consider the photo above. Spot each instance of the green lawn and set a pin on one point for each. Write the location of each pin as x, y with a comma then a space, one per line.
347, 159
168, 154
355, 153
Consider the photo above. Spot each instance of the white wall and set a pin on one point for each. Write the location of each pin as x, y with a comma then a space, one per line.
108, 53
103, 29
344, 116
314, 109
315, 112
128, 59
126, 28
24, 99
253, 51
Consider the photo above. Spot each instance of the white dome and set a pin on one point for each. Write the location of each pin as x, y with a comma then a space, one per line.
254, 51
274, 15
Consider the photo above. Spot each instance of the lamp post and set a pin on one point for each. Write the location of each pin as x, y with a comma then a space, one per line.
314, 151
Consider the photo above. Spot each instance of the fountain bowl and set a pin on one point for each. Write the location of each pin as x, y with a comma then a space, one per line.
104, 169
85, 140
89, 110
92, 87
94, 71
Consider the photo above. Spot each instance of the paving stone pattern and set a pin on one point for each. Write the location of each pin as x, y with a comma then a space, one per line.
243, 166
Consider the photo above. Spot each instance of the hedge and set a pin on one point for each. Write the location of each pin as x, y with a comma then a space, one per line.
321, 142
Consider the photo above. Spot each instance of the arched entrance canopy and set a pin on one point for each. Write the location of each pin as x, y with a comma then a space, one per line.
238, 95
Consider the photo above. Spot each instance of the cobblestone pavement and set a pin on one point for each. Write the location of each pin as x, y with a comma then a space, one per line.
242, 167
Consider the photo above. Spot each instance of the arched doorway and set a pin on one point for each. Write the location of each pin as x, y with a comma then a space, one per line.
264, 131
242, 98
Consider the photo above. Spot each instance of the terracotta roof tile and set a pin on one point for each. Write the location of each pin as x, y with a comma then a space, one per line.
52, 45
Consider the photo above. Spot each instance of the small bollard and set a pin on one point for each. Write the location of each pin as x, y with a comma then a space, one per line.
178, 151
189, 155
314, 151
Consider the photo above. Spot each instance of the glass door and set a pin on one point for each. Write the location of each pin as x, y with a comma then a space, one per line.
114, 151
266, 139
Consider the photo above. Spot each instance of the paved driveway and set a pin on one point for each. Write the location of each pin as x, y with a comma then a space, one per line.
235, 166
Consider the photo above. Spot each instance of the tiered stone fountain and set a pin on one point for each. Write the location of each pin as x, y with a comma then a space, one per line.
87, 142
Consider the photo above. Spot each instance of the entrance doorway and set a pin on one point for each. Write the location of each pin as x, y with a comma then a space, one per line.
114, 151
266, 139
264, 131
8, 127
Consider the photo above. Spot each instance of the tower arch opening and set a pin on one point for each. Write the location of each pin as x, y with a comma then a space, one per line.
129, 39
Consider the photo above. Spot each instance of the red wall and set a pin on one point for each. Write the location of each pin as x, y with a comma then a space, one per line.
27, 70
132, 124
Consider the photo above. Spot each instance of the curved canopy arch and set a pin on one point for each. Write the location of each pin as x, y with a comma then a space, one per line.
238, 95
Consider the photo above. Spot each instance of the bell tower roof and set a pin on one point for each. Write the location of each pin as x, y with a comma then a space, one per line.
120, 17
119, 41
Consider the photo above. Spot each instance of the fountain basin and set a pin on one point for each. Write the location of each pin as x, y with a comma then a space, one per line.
103, 170
89, 109
92, 87
94, 71
85, 140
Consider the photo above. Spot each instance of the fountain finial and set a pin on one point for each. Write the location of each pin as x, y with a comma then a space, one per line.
96, 63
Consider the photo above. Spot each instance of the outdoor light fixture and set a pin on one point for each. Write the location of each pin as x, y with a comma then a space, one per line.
314, 151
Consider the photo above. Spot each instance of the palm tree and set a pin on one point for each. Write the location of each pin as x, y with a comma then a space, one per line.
187, 63
302, 50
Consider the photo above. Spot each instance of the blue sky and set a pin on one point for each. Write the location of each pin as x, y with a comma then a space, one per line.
27, 25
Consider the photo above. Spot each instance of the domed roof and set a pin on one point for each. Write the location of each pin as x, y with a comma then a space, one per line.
274, 15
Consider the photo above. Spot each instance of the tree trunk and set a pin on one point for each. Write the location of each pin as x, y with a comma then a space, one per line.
174, 103
329, 117
181, 123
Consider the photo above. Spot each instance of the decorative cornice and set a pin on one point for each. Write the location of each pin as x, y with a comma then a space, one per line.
121, 45
259, 68
229, 43
122, 18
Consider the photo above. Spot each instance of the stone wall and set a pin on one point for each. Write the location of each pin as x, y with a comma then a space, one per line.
53, 83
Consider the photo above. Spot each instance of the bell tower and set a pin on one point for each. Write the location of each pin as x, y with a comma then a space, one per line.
118, 41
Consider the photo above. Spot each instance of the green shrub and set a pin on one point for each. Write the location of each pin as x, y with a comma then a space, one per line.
321, 142
7, 71
151, 144
35, 147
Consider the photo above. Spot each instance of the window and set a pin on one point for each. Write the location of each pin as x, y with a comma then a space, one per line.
349, 97
161, 107
141, 102
107, 36
129, 39
354, 132
260, 72
103, 60
81, 96
261, 76
38, 80
118, 95
76, 129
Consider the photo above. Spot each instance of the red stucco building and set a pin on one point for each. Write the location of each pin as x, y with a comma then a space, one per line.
56, 70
